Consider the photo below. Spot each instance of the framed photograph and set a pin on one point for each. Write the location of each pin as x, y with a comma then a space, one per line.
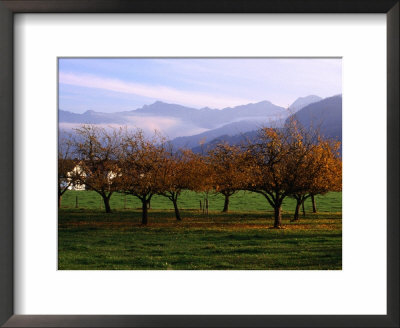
217, 164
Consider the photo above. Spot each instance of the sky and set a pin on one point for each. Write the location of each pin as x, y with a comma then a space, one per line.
122, 84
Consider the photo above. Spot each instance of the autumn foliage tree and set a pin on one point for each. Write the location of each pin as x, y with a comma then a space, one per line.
177, 173
226, 170
330, 178
320, 172
98, 151
142, 162
275, 161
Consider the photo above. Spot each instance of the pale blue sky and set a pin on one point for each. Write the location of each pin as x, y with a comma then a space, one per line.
112, 85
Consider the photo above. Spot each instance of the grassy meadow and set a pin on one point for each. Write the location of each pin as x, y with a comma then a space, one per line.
89, 239
189, 200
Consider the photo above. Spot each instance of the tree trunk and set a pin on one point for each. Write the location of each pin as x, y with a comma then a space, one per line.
302, 206
107, 204
226, 204
59, 201
144, 211
297, 210
314, 205
177, 214
278, 216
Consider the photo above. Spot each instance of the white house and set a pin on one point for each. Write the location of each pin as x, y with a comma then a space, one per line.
75, 185
78, 171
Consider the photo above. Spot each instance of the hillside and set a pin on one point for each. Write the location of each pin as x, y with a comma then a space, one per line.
324, 115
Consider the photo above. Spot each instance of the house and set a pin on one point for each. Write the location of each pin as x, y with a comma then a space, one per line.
73, 184
79, 172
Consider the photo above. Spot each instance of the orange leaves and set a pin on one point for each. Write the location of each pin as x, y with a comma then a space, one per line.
141, 162
226, 165
280, 161
291, 160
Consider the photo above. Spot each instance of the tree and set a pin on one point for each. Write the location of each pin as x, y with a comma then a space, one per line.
321, 172
99, 152
225, 164
314, 204
178, 172
142, 162
66, 165
330, 177
274, 162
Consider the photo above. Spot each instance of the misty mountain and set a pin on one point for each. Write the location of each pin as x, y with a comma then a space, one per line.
211, 118
237, 139
302, 102
324, 115
228, 130
89, 117
205, 118
187, 126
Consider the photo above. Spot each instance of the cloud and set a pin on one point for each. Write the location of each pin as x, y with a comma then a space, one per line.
159, 92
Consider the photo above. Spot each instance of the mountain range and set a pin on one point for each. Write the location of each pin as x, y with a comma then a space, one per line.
234, 131
324, 115
190, 127
204, 118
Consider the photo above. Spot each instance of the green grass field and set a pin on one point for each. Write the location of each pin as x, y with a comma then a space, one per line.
90, 239
242, 201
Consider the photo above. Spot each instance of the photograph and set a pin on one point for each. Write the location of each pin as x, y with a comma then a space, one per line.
199, 163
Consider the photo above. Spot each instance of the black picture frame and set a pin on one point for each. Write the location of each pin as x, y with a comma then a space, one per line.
10, 7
